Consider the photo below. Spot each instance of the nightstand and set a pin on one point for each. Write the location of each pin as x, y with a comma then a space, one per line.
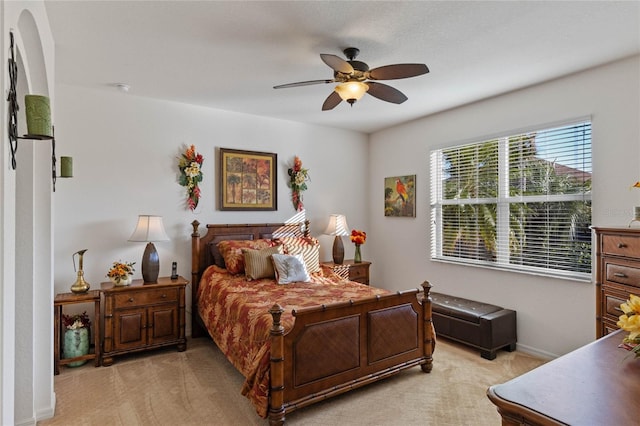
350, 270
140, 317
61, 300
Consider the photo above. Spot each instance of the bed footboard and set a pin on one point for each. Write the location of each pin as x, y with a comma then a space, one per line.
335, 348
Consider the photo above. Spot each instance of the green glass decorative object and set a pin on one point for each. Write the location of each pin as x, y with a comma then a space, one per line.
76, 343
357, 257
38, 113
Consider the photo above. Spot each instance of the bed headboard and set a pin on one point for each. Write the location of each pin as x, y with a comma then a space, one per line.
204, 249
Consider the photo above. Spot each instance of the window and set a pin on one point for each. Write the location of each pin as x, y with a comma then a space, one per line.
520, 202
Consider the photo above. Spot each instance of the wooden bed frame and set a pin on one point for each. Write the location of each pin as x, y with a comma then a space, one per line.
334, 348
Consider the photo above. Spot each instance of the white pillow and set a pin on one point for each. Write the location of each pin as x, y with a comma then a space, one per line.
290, 268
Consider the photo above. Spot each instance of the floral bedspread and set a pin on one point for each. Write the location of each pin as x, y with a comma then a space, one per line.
236, 313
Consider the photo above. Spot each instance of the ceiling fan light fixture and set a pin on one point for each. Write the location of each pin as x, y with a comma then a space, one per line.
351, 91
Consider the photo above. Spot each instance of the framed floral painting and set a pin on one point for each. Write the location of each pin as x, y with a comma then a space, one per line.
400, 196
247, 180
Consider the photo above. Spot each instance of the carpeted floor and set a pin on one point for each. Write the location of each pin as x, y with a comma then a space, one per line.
200, 387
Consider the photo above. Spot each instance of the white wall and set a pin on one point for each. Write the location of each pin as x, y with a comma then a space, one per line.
125, 151
26, 290
554, 316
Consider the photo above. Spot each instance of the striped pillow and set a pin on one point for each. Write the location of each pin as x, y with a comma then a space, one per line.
308, 247
258, 264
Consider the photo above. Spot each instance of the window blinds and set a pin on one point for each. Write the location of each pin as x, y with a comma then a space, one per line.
519, 202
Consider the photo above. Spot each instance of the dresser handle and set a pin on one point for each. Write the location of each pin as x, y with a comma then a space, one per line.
619, 275
164, 296
622, 245
131, 299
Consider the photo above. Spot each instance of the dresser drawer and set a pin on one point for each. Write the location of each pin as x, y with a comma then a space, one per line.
612, 305
622, 274
147, 297
621, 245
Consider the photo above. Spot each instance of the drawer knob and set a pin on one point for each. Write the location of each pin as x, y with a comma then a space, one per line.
622, 245
131, 299
619, 275
164, 296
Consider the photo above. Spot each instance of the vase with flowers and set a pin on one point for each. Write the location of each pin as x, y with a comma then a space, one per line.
298, 177
190, 165
121, 273
630, 321
358, 238
76, 337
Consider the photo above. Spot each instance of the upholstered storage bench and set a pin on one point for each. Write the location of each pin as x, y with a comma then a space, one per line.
480, 325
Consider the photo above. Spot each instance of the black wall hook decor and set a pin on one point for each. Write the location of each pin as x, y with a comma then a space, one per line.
13, 116
13, 102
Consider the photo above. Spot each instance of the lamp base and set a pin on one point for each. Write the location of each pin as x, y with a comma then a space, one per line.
150, 264
338, 251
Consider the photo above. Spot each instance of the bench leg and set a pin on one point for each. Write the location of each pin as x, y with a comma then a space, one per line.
490, 355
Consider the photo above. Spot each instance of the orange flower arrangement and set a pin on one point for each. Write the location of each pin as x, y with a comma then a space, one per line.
358, 237
120, 271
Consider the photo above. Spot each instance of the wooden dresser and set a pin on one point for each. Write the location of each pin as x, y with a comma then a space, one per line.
617, 274
594, 385
143, 316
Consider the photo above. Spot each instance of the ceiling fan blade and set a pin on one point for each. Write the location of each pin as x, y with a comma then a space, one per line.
332, 101
385, 93
337, 63
303, 83
394, 72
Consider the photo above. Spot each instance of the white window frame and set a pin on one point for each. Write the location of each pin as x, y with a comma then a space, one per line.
503, 202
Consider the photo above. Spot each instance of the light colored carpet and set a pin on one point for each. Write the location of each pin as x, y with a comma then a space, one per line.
200, 387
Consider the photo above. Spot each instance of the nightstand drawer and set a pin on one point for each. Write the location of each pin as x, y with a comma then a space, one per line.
351, 270
358, 272
144, 298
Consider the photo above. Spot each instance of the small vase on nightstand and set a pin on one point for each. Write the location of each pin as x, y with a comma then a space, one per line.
357, 257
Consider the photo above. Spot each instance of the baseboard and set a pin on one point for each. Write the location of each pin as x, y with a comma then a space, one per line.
48, 412
536, 352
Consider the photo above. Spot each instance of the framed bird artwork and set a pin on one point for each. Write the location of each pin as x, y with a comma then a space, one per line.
400, 196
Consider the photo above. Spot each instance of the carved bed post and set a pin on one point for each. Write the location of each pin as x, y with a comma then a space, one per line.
196, 330
276, 396
429, 341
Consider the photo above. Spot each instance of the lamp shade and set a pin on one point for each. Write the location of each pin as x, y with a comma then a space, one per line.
338, 227
352, 91
149, 229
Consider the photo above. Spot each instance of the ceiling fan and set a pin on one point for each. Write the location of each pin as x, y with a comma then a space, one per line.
354, 79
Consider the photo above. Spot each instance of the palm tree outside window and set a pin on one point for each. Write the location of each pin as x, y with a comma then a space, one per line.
520, 202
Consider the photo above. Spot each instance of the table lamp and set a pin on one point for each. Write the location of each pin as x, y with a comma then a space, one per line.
149, 229
338, 227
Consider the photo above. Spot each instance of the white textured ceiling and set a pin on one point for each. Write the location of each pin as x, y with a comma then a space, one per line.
229, 55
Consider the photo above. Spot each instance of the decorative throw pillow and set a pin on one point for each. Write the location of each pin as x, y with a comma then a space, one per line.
258, 264
308, 247
231, 251
290, 268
